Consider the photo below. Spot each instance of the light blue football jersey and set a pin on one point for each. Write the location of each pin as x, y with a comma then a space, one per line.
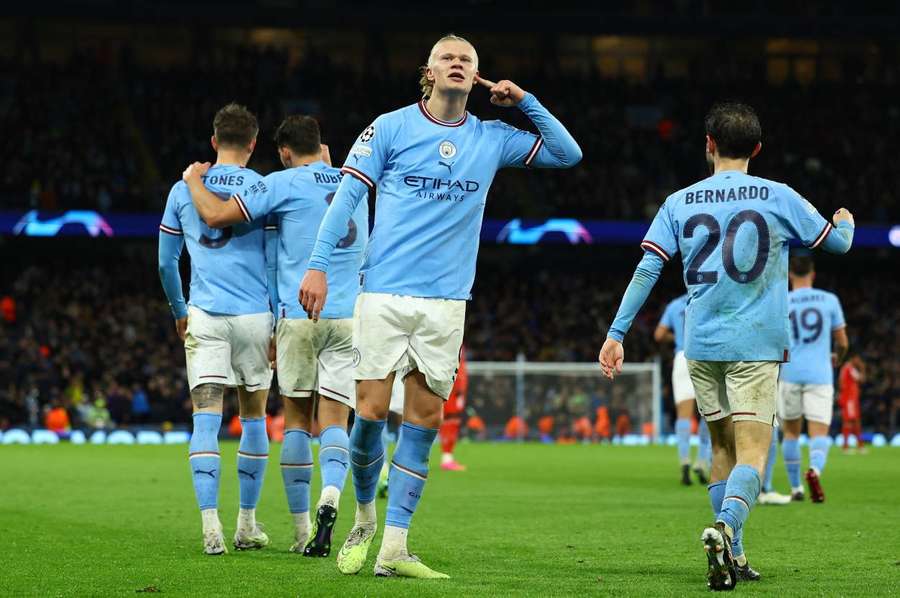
298, 199
432, 178
228, 266
673, 319
733, 230
813, 315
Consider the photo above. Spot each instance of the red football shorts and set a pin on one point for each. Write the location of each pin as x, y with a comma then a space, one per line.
455, 405
850, 409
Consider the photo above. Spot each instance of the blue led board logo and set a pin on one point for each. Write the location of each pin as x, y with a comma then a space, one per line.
31, 224
515, 233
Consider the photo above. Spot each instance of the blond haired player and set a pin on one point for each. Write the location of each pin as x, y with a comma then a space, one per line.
431, 164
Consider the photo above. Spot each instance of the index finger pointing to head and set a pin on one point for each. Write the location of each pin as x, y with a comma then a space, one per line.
484, 82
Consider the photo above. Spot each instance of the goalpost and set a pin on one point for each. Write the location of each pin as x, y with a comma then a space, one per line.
574, 395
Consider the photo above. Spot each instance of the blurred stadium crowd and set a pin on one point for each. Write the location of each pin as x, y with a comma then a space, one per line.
123, 132
94, 344
74, 335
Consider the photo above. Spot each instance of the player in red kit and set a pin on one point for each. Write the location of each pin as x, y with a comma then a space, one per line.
453, 412
852, 374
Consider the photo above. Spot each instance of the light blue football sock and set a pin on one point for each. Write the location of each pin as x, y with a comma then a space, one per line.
704, 452
740, 496
818, 452
716, 496
409, 471
334, 456
790, 451
204, 459
253, 453
296, 469
716, 492
366, 456
683, 433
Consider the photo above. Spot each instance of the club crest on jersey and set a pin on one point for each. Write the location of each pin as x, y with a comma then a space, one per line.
447, 150
368, 134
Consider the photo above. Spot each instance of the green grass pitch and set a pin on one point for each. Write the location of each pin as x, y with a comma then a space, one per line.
525, 520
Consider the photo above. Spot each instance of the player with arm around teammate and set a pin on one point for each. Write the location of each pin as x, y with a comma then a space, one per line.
432, 164
806, 382
671, 330
225, 329
313, 359
732, 230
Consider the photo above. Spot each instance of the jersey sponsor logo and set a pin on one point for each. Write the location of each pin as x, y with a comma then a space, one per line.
361, 150
447, 149
368, 135
439, 189
742, 193
428, 182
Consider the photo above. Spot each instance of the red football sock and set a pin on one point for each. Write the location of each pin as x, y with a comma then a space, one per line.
449, 432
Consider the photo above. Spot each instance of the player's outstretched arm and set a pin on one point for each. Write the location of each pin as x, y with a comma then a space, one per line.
170, 246
314, 286
556, 146
840, 238
645, 276
214, 212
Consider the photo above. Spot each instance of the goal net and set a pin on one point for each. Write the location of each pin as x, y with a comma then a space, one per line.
520, 400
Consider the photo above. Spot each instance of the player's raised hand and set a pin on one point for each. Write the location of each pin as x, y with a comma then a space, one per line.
504, 93
326, 154
843, 215
313, 290
181, 327
612, 355
197, 169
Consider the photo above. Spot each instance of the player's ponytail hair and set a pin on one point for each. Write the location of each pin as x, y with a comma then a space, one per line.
426, 85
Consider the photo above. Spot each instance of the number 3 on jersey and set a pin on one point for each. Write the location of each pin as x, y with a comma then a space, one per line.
695, 275
225, 234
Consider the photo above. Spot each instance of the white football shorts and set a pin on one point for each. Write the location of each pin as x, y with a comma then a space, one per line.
316, 357
745, 390
815, 402
228, 350
398, 393
400, 333
682, 387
